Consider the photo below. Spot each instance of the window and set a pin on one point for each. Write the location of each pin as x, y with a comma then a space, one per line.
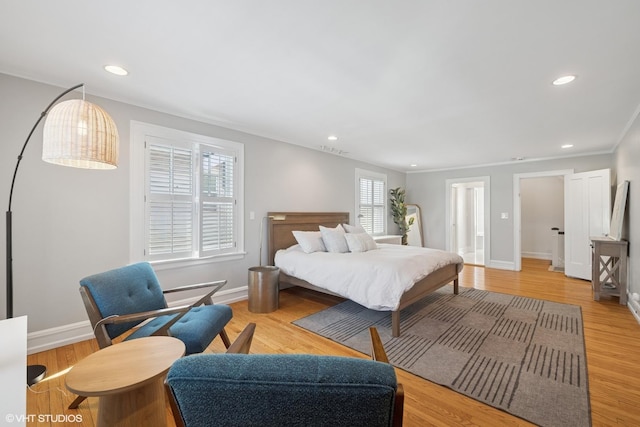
371, 201
187, 195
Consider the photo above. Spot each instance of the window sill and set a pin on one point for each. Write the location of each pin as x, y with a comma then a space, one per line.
190, 262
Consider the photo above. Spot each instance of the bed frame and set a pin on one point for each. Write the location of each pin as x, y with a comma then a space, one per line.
281, 224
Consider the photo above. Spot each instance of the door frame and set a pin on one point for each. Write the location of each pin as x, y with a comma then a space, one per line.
517, 210
486, 181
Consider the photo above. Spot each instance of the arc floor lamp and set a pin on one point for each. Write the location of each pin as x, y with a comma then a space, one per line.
77, 134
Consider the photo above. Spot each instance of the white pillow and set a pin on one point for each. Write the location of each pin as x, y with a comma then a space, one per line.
337, 228
310, 241
360, 242
333, 239
353, 228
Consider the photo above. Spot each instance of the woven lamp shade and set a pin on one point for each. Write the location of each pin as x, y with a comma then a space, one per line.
80, 134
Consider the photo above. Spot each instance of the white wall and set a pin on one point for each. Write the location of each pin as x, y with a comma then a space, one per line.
69, 223
542, 208
428, 189
628, 169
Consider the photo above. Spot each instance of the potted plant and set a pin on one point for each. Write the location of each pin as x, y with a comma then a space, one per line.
399, 212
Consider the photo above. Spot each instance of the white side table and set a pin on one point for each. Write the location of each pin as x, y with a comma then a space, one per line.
389, 238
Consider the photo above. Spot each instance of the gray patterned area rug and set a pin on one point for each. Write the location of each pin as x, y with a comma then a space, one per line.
521, 355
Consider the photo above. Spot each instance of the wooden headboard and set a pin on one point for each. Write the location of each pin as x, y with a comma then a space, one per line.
281, 224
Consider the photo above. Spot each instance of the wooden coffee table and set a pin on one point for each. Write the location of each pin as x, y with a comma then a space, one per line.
128, 378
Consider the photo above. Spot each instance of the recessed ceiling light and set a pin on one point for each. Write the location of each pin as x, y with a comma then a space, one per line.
567, 146
332, 138
564, 80
117, 70
413, 165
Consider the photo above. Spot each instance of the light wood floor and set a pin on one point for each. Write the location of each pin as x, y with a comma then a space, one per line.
612, 341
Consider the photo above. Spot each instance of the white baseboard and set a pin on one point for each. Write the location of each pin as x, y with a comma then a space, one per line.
57, 337
501, 265
634, 308
68, 334
537, 255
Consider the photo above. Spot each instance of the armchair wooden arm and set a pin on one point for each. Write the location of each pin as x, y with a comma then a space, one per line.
145, 315
379, 354
206, 299
243, 342
377, 349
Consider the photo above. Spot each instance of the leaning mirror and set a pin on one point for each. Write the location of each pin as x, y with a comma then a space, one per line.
414, 234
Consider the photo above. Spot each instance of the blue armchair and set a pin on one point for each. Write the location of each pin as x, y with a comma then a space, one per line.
121, 299
285, 390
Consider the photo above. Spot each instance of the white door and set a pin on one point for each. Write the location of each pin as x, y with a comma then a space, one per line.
587, 213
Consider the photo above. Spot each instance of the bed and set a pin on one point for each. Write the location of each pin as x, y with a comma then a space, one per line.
280, 237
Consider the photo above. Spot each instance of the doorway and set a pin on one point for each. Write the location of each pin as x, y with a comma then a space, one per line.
468, 219
538, 230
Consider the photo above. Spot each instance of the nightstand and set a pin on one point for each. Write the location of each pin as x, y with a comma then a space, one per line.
390, 238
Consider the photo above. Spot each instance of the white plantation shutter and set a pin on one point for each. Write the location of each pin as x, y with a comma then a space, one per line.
379, 206
365, 213
217, 201
372, 203
170, 202
191, 209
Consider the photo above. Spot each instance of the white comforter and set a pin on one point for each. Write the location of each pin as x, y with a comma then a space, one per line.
375, 279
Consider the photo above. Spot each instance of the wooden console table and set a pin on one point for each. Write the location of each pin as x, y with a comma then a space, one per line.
128, 378
609, 263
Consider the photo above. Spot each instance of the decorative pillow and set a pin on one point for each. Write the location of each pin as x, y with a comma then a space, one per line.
360, 242
353, 228
333, 239
310, 241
